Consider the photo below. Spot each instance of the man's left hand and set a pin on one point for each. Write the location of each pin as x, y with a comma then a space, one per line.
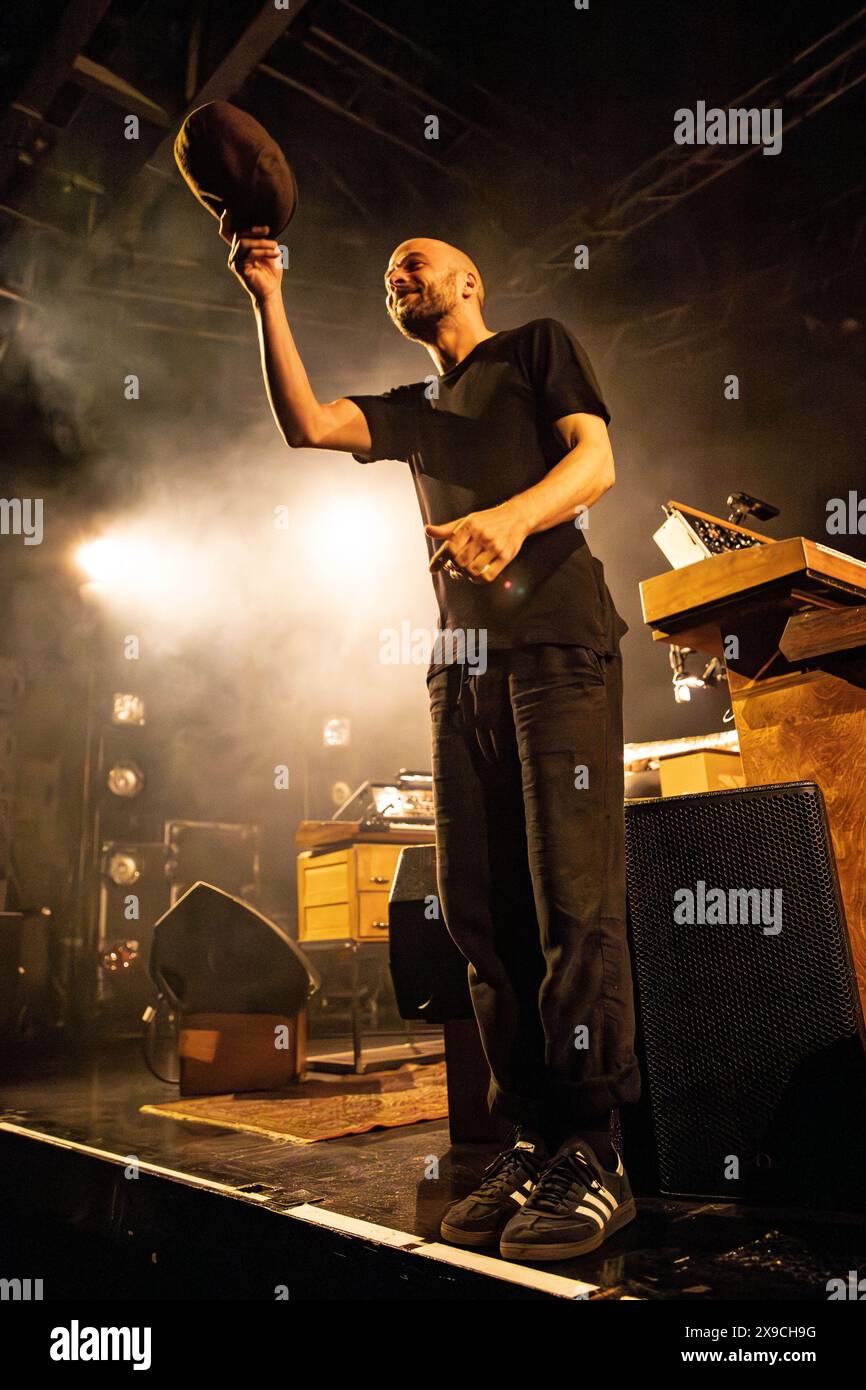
481, 544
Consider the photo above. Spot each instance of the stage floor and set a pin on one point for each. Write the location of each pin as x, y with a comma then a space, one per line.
220, 1214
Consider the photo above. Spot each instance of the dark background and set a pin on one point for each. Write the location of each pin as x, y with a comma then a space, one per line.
251, 637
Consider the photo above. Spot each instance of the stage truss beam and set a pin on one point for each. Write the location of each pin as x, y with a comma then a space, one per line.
815, 77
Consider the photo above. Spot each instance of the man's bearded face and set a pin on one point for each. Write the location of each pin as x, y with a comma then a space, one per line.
417, 307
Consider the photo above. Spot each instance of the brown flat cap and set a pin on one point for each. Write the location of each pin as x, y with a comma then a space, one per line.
231, 163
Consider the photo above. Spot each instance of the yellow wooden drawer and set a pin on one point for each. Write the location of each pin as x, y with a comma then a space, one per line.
325, 921
372, 915
375, 867
326, 879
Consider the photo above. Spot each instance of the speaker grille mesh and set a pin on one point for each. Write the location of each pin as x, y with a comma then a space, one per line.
731, 1017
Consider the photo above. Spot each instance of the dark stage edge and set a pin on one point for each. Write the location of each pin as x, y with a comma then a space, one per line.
221, 1215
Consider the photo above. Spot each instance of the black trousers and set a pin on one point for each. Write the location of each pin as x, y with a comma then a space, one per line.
528, 785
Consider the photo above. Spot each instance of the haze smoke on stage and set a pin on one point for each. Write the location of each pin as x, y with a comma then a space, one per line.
226, 536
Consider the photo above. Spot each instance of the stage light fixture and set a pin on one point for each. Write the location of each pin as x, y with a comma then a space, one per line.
339, 793
127, 708
124, 868
337, 733
125, 779
119, 956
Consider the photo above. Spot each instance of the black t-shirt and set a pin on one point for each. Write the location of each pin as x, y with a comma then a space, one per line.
474, 437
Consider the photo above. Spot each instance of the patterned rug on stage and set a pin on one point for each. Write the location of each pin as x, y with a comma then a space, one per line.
323, 1107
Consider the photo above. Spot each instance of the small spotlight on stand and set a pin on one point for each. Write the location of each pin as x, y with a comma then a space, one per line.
684, 683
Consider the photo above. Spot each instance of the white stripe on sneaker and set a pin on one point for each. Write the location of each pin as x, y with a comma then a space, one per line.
597, 1203
584, 1210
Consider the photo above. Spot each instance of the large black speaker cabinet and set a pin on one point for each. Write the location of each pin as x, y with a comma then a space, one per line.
750, 1032
429, 973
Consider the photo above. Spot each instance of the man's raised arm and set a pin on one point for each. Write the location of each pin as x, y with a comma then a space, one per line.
303, 421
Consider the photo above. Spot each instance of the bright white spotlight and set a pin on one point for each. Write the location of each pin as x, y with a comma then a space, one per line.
345, 536
128, 566
104, 561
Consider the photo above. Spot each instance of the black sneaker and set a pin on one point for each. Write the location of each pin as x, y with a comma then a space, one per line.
574, 1207
479, 1219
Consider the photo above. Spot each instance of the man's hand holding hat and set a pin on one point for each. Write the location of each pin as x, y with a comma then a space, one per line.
256, 261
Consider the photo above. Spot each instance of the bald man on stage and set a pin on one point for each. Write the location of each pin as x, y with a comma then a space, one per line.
508, 447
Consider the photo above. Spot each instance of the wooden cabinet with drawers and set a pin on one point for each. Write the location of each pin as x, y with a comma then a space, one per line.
344, 892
